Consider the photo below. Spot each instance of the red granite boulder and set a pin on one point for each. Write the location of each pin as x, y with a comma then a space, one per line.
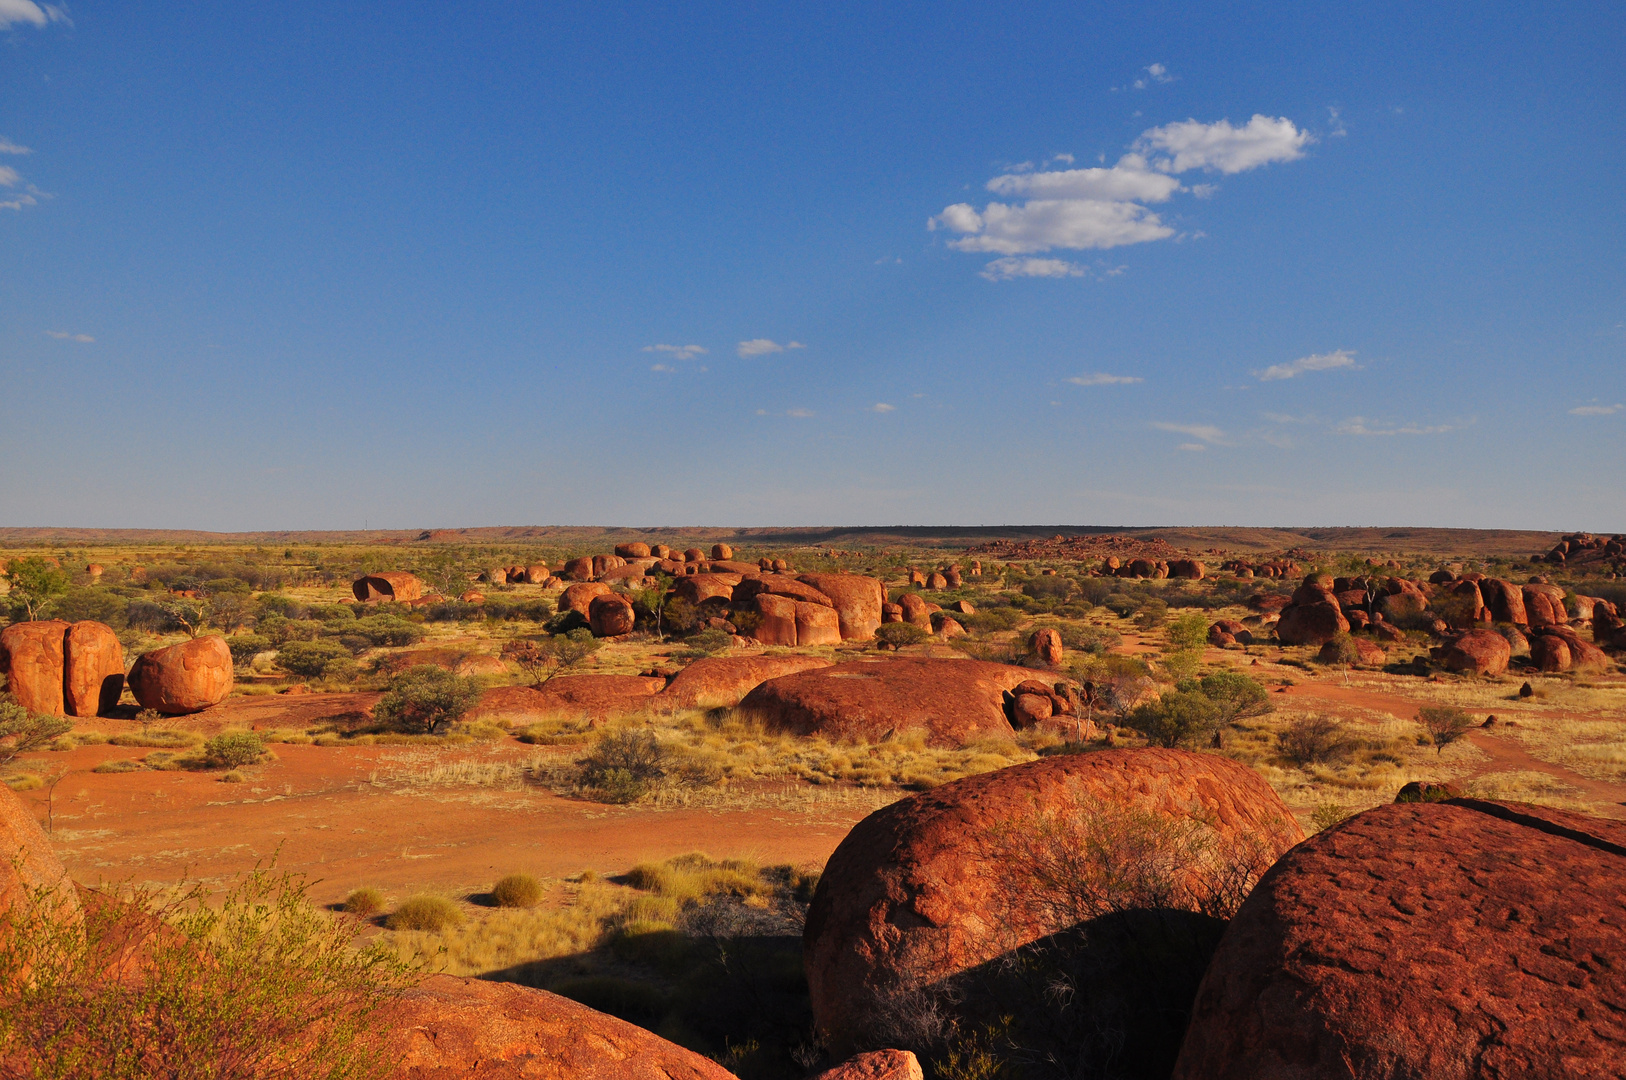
29, 868
876, 1065
1426, 939
634, 550
578, 570
721, 551
1046, 645
92, 669
31, 657
776, 620
1478, 652
388, 585
816, 624
184, 678
1544, 605
719, 681
937, 887
856, 598
610, 615
579, 597
917, 611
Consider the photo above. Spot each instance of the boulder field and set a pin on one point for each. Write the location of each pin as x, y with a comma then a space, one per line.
1425, 939
924, 891
953, 701
58, 668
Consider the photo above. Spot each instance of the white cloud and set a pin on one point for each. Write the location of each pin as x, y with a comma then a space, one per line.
763, 347
63, 335
1051, 223
1100, 379
1360, 425
882, 407
9, 147
1007, 268
1208, 433
1284, 418
1068, 158
678, 352
662, 367
800, 414
1596, 410
1338, 358
11, 178
1195, 145
1107, 206
1335, 122
1197, 446
26, 11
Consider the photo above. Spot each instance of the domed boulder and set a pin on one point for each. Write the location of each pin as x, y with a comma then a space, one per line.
30, 872
1582, 655
755, 583
817, 624
1424, 939
92, 669
719, 681
579, 597
31, 657
610, 615
722, 551
1505, 601
634, 550
698, 588
923, 899
953, 701
184, 678
857, 599
602, 563
578, 569
776, 619
876, 1065
447, 1028
1544, 604
1478, 652
1046, 645
388, 585
917, 611
1313, 617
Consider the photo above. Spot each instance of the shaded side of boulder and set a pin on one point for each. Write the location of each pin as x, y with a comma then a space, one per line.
92, 669
610, 615
1458, 938
387, 585
30, 872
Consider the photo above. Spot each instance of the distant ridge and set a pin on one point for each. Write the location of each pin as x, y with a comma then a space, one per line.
1396, 539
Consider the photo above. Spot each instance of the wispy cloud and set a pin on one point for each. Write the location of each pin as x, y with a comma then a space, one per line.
662, 367
1154, 73
1339, 358
1107, 206
800, 414
6, 145
12, 180
764, 346
63, 335
1596, 410
677, 352
1284, 418
882, 407
1007, 268
1208, 433
1102, 379
13, 12
1360, 425
1197, 446
1335, 123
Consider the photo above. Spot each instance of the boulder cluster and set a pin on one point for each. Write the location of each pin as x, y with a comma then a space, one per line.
1584, 549
1156, 569
63, 669
1275, 568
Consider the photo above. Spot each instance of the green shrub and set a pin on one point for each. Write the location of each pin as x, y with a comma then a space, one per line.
1090, 639
233, 749
898, 634
709, 641
425, 912
119, 766
1182, 718
245, 647
387, 631
342, 669
22, 731
1189, 632
623, 765
426, 699
1443, 724
517, 891
1152, 615
1121, 605
364, 902
1312, 740
1236, 696
308, 658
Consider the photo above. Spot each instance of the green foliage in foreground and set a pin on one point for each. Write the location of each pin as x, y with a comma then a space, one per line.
254, 984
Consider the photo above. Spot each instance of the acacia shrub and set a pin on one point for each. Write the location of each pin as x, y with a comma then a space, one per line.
426, 699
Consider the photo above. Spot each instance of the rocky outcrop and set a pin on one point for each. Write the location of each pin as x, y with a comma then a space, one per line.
1313, 617
953, 701
579, 597
610, 615
447, 1028
634, 550
1477, 652
92, 669
721, 681
1560, 648
856, 598
917, 611
1544, 604
183, 678
876, 1065
1444, 939
1046, 645
30, 872
935, 887
388, 585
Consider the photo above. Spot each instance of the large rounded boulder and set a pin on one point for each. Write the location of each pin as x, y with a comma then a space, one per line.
389, 585
953, 701
720, 681
447, 1028
92, 669
857, 600
924, 899
184, 678
30, 873
1477, 652
1313, 617
31, 656
1451, 939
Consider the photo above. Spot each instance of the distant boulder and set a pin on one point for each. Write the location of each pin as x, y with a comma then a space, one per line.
389, 585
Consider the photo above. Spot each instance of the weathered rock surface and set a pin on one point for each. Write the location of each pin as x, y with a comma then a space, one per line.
922, 891
31, 656
579, 597
1481, 652
776, 620
183, 678
92, 669
917, 611
28, 865
1313, 617
610, 615
1544, 604
578, 570
1046, 645
596, 697
876, 1065
718, 681
857, 599
954, 701
634, 550
389, 585
1451, 939
448, 1028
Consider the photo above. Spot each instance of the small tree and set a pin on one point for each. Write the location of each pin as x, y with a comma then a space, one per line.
896, 635
543, 658
35, 583
426, 699
1341, 650
1443, 724
1188, 633
1236, 696
1311, 740
1182, 718
22, 731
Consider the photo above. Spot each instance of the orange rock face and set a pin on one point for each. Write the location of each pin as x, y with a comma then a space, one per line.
634, 550
776, 617
602, 563
29, 864
579, 597
610, 615
448, 1028
916, 612
92, 669
922, 890
389, 585
578, 570
876, 1065
1481, 652
954, 701
718, 681
183, 678
721, 551
856, 598
816, 624
31, 653
1459, 938
1046, 645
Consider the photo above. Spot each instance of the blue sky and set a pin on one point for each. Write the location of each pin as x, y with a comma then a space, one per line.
421, 265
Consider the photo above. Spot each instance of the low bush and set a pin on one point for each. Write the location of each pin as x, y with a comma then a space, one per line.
623, 765
158, 738
1089, 639
233, 749
517, 891
426, 699
121, 765
308, 658
364, 902
425, 912
897, 635
386, 631
1315, 740
245, 647
1443, 724
1183, 718
23, 731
